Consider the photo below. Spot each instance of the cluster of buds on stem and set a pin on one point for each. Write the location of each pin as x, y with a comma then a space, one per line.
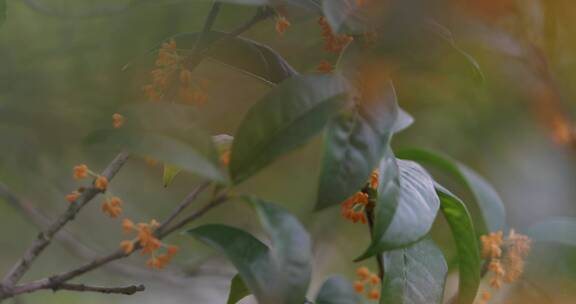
368, 283
172, 81
160, 253
505, 258
354, 208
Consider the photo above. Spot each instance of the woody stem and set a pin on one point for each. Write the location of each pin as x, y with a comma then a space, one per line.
379, 260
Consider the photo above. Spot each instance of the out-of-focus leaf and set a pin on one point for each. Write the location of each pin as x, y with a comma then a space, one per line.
195, 155
308, 4
169, 174
287, 117
403, 121
467, 247
354, 144
345, 16
446, 34
238, 290
415, 274
560, 230
280, 274
491, 206
337, 290
243, 54
406, 206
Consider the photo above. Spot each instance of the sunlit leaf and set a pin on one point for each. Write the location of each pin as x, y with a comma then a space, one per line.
337, 290
287, 117
491, 206
561, 230
406, 206
415, 274
469, 262
280, 274
238, 290
169, 173
354, 144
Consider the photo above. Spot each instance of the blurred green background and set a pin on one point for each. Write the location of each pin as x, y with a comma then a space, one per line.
61, 78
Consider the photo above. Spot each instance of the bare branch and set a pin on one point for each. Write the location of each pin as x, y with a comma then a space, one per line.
127, 290
45, 237
189, 199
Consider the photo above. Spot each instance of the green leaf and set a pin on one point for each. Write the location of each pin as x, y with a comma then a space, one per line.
291, 248
490, 203
308, 4
406, 206
243, 54
195, 157
467, 246
164, 132
354, 144
238, 290
415, 274
447, 36
251, 257
280, 274
560, 230
337, 290
287, 117
403, 121
169, 174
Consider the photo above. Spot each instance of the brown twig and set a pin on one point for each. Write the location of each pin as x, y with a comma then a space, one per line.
45, 237
76, 247
61, 278
127, 290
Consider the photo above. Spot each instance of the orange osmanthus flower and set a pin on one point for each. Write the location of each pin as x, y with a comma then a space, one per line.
117, 120
101, 183
367, 280
325, 67
112, 207
332, 43
81, 171
73, 196
282, 24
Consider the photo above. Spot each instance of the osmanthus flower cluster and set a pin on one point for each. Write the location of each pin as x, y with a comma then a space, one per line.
368, 283
333, 43
505, 258
172, 81
149, 244
354, 208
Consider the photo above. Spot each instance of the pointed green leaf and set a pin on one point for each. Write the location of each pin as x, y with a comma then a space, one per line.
355, 143
280, 274
560, 230
490, 203
415, 274
467, 246
337, 290
291, 248
238, 290
287, 117
169, 174
251, 257
406, 206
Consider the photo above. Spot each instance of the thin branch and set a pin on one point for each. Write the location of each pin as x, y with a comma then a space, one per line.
45, 237
58, 279
77, 248
127, 290
189, 199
